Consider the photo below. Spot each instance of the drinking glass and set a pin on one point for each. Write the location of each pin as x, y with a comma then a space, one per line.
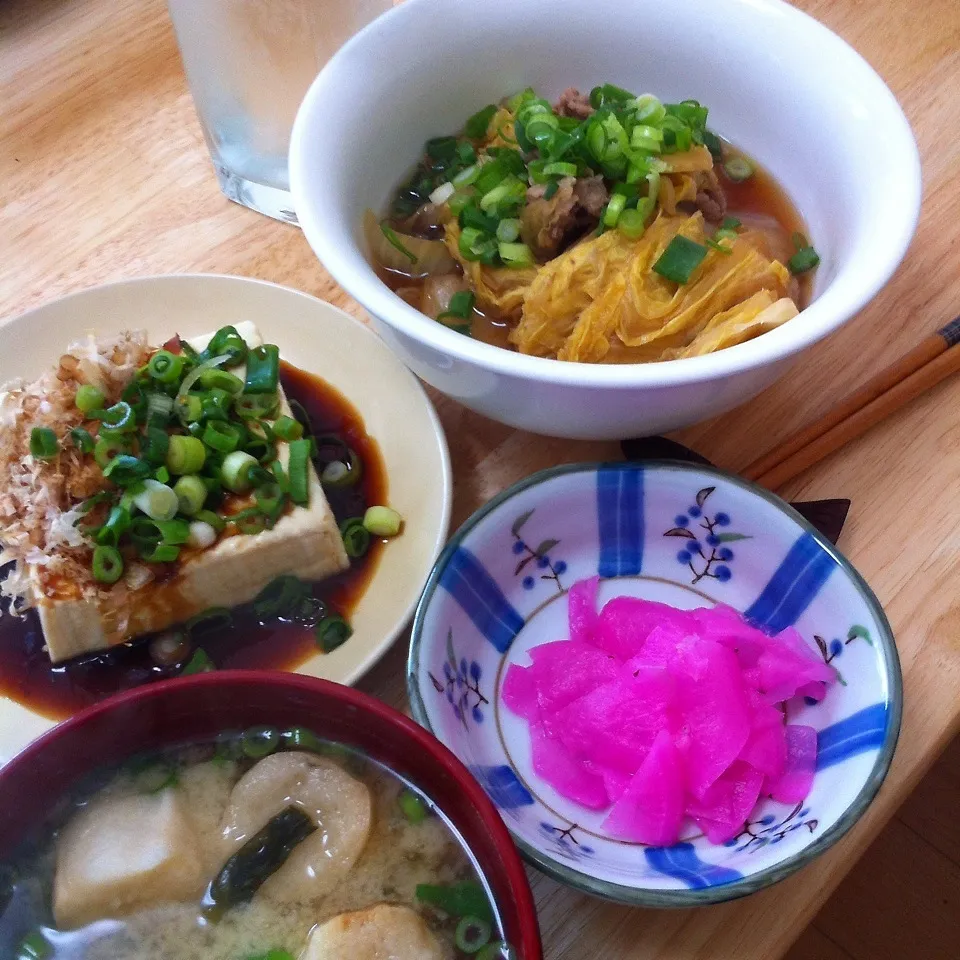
249, 64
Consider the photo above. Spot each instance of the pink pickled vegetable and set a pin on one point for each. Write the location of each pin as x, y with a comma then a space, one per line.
650, 809
797, 779
564, 773
668, 716
582, 609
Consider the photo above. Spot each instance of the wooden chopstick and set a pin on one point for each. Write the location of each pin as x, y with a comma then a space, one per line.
933, 360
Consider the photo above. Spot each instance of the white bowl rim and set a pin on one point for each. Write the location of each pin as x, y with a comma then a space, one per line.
762, 351
694, 897
364, 665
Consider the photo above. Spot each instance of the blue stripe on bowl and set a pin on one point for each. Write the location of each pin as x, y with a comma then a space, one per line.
865, 730
682, 863
503, 787
791, 589
468, 582
620, 520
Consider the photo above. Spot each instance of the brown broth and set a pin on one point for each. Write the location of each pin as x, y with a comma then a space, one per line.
57, 691
759, 201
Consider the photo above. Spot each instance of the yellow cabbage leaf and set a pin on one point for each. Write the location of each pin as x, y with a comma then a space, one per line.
601, 301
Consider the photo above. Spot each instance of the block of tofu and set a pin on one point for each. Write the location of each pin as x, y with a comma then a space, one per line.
120, 854
306, 542
386, 930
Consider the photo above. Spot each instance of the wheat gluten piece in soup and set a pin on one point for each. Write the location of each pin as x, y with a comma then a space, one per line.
144, 487
603, 228
265, 844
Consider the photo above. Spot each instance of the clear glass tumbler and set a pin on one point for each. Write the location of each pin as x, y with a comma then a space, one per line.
249, 64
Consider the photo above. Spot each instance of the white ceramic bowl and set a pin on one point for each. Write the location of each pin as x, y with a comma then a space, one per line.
685, 535
777, 83
318, 338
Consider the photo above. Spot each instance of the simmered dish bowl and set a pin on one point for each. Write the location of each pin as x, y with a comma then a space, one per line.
189, 465
254, 814
560, 317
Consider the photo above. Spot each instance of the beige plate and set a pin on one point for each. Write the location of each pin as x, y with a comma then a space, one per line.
312, 335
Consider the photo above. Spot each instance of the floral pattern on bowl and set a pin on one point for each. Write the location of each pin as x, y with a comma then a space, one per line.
681, 534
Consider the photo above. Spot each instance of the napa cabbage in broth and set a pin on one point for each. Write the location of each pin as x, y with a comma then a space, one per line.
607, 228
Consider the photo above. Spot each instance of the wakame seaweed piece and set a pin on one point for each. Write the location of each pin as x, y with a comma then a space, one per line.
256, 861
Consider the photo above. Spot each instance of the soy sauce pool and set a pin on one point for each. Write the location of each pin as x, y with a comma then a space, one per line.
56, 692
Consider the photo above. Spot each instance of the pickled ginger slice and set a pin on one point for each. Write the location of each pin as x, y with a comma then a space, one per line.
582, 609
625, 624
724, 808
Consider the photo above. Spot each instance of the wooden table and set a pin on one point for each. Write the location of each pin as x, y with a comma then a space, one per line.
104, 175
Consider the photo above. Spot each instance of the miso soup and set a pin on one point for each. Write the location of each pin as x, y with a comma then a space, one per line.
262, 845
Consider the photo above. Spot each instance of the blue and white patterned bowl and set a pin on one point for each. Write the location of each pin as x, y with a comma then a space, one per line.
681, 534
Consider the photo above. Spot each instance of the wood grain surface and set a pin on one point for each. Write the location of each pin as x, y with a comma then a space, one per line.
104, 175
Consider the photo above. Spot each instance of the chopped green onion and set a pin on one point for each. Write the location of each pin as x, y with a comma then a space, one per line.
200, 662
159, 407
460, 305
498, 950
631, 223
460, 200
471, 216
191, 494
552, 188
82, 440
226, 343
508, 230
43, 443
118, 522
157, 445
300, 738
221, 436
560, 169
472, 934
221, 380
202, 535
413, 806
464, 899
162, 553
106, 448
474, 245
645, 137
515, 254
165, 367
125, 469
286, 428
189, 407
297, 471
263, 369
34, 946
382, 521
162, 474
738, 169
107, 564
120, 418
250, 522
209, 620
235, 470
730, 223
215, 521
396, 242
343, 473
185, 455
509, 191
174, 532
89, 399
259, 742
466, 177
331, 632
260, 449
355, 536
614, 208
255, 406
476, 126
157, 500
681, 257
281, 597
806, 258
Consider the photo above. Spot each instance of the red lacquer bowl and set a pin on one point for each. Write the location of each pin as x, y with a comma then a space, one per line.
199, 707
